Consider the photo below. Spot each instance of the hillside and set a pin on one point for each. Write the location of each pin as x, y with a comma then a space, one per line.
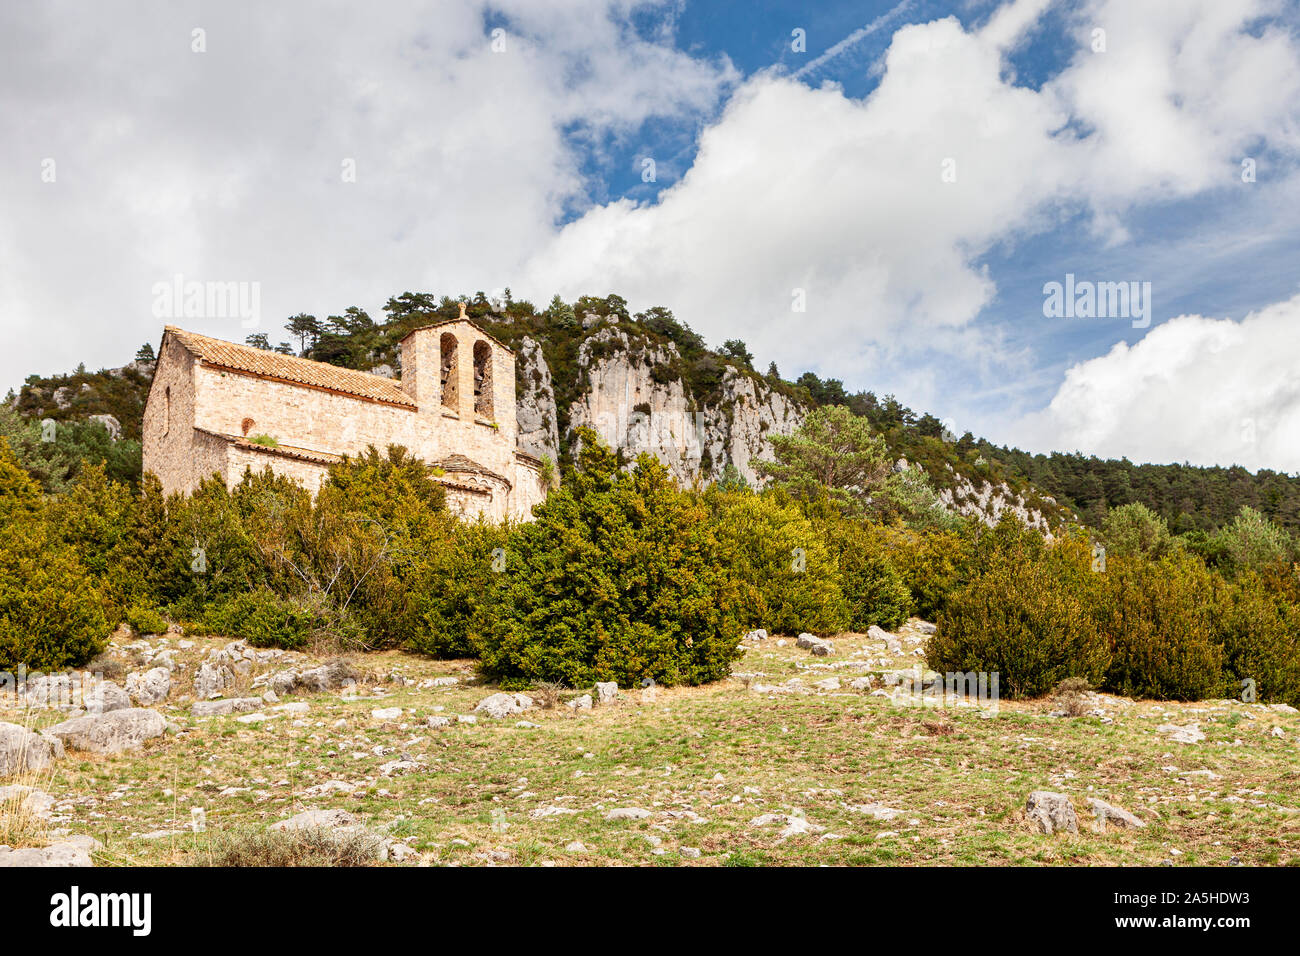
648, 382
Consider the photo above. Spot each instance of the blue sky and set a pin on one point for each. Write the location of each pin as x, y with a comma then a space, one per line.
485, 160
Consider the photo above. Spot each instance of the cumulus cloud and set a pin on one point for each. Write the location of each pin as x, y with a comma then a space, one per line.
227, 165
877, 212
847, 200
1204, 390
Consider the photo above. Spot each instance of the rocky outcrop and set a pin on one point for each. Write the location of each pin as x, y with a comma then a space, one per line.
112, 732
539, 432
633, 396
988, 502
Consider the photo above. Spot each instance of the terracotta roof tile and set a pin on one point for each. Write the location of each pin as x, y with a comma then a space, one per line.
289, 368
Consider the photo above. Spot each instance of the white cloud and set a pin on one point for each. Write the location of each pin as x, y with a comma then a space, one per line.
1204, 390
806, 188
227, 165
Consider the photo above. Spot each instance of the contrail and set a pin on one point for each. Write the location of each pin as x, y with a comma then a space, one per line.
854, 37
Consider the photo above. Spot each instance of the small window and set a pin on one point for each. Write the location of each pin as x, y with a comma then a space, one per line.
167, 409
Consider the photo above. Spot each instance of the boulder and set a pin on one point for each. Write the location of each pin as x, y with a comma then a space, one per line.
606, 692
925, 627
332, 675
112, 732
386, 713
223, 708
23, 750
212, 679
149, 687
758, 634
580, 703
36, 802
627, 813
73, 851
1107, 813
1186, 734
1052, 812
820, 647
503, 705
106, 697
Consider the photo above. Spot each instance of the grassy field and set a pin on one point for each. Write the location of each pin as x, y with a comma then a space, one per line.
722, 770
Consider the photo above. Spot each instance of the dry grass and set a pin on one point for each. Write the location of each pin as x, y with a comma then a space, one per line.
705, 762
307, 847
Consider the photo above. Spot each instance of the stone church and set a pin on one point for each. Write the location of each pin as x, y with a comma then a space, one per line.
217, 407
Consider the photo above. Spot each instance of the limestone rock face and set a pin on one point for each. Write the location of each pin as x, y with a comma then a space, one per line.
539, 431
112, 732
988, 502
636, 400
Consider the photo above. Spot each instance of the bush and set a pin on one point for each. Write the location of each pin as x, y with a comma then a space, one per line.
782, 565
458, 588
1261, 641
1253, 543
144, 620
619, 577
873, 589
51, 612
1018, 620
1161, 621
1135, 530
264, 619
933, 565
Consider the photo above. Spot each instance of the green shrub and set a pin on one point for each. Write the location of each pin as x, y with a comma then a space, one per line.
619, 577
933, 565
1018, 620
1253, 543
1135, 530
144, 620
1261, 641
1161, 620
457, 586
781, 564
873, 588
51, 612
264, 619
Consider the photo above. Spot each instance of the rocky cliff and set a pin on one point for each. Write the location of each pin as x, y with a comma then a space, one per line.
631, 391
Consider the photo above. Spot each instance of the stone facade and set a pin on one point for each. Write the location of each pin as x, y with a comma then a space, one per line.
220, 408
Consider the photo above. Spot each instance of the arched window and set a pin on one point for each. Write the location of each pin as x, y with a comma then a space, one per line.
450, 373
482, 379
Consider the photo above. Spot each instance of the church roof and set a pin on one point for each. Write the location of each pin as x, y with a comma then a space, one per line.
248, 360
468, 321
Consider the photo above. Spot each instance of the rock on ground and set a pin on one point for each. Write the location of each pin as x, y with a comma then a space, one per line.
149, 687
23, 750
1108, 813
503, 705
606, 692
73, 851
222, 708
106, 697
820, 647
1052, 812
1186, 734
36, 802
112, 732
